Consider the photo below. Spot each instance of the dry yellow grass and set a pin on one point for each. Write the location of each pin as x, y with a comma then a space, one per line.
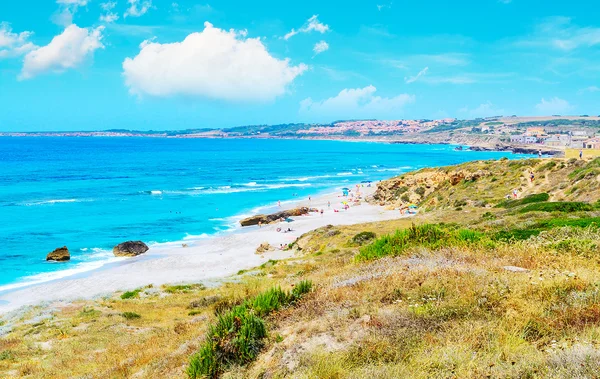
587, 153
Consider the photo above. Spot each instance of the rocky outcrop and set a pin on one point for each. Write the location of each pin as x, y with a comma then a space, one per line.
130, 249
59, 255
268, 219
412, 188
264, 247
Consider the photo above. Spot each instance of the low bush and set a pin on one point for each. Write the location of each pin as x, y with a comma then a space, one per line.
363, 237
130, 315
567, 207
131, 294
184, 288
535, 198
238, 335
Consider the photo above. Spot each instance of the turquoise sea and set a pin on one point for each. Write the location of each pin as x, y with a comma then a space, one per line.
93, 193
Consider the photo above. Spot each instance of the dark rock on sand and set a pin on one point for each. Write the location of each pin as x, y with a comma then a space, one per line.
130, 249
59, 255
268, 219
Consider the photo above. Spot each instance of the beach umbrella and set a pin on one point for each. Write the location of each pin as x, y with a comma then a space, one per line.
412, 206
289, 220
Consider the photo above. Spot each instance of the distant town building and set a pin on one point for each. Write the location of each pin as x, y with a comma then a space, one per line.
535, 132
592, 143
524, 139
557, 140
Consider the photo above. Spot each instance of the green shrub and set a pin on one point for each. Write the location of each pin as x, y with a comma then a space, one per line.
420, 191
557, 207
488, 216
184, 288
130, 315
405, 198
89, 312
131, 294
238, 335
363, 237
547, 166
535, 198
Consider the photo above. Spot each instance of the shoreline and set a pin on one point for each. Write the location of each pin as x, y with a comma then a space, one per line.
211, 258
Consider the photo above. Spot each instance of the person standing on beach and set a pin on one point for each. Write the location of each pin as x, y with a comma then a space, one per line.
309, 199
580, 154
322, 212
279, 203
329, 204
540, 154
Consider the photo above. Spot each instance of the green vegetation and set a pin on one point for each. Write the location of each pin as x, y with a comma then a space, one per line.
363, 237
130, 315
566, 207
131, 294
238, 335
428, 236
184, 288
535, 198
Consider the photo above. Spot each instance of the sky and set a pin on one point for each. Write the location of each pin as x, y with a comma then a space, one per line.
171, 65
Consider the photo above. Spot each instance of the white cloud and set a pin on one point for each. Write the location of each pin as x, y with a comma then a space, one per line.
214, 63
138, 8
313, 24
412, 79
483, 110
108, 6
320, 47
14, 44
67, 9
109, 17
356, 103
560, 33
553, 106
79, 3
65, 51
589, 89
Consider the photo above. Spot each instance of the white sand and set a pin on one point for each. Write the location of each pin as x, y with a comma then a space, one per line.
204, 259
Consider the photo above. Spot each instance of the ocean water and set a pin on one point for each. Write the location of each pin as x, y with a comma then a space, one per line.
93, 193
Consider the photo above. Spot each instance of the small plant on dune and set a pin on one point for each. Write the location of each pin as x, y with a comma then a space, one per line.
238, 335
184, 288
363, 237
130, 315
131, 294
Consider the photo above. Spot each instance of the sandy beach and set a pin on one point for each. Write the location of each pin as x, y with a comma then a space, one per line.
202, 260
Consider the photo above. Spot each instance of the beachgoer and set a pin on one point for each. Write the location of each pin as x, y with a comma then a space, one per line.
309, 198
322, 213
278, 230
279, 203
580, 154
540, 154
329, 204
531, 176
260, 224
515, 193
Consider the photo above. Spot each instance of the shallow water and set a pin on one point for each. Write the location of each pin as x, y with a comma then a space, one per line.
93, 193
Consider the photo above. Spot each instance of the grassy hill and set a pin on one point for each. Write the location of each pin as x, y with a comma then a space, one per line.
475, 285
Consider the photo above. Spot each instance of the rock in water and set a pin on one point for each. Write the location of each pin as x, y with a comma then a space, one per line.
59, 255
130, 249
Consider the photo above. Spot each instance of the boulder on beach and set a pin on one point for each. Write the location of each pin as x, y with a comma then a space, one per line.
130, 249
264, 247
59, 255
274, 217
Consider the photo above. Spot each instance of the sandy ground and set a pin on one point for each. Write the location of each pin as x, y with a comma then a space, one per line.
202, 260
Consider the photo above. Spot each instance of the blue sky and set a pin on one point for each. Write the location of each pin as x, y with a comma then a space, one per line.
164, 64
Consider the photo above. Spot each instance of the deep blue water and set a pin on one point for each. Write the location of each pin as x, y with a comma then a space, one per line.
93, 193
